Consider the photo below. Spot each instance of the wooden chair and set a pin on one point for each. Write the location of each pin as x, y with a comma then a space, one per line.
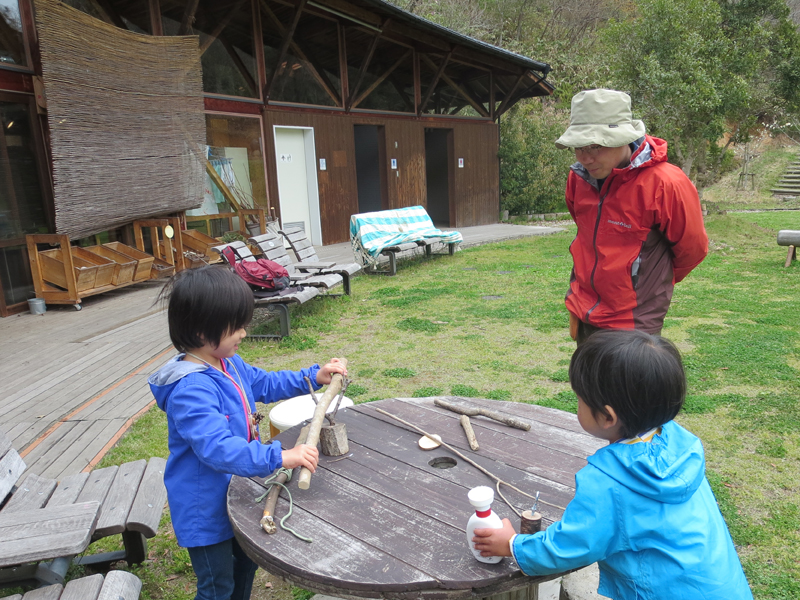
116, 585
271, 246
53, 521
277, 303
310, 262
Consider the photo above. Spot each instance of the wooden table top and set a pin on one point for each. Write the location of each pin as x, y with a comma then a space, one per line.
384, 522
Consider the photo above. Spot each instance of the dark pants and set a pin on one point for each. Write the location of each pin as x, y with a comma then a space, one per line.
224, 572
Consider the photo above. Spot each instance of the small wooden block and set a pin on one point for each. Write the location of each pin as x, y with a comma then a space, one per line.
531, 522
333, 440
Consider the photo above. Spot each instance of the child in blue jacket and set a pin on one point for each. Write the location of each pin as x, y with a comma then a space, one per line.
209, 395
643, 509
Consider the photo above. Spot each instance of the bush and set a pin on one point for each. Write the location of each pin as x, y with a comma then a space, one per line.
533, 172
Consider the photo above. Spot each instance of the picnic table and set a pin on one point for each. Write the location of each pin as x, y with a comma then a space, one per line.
389, 519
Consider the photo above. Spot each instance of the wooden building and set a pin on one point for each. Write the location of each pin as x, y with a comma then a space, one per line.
319, 109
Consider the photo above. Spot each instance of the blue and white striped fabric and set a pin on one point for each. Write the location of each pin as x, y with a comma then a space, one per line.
371, 232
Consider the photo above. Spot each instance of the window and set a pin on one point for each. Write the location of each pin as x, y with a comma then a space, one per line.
12, 42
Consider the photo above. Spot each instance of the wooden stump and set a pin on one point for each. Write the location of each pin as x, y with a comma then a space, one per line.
333, 440
531, 522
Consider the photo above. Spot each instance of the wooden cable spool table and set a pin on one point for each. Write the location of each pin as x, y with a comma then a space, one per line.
388, 521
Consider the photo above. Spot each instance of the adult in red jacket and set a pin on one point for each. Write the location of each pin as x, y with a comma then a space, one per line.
640, 226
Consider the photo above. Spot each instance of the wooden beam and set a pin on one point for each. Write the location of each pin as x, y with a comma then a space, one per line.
287, 38
381, 79
491, 96
506, 103
108, 13
314, 67
212, 37
398, 85
464, 93
344, 76
356, 12
240, 66
433, 83
417, 83
188, 16
156, 25
261, 67
363, 71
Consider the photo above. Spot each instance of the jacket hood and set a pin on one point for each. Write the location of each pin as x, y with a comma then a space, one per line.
163, 381
668, 469
649, 151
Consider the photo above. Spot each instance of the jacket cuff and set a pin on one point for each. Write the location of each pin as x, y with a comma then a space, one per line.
314, 369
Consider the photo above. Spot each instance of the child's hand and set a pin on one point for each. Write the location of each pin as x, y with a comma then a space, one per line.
325, 374
494, 542
301, 456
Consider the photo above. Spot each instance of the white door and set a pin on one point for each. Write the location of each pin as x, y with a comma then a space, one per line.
297, 180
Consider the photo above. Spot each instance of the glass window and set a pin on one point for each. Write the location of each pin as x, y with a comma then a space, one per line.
15, 275
229, 64
234, 149
389, 78
133, 16
12, 45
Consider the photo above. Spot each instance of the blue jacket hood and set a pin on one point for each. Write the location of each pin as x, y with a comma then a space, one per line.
668, 469
163, 381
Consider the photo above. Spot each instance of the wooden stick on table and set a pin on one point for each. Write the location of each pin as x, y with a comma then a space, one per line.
268, 520
471, 410
473, 441
304, 481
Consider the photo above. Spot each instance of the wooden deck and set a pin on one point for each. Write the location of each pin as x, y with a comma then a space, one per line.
74, 381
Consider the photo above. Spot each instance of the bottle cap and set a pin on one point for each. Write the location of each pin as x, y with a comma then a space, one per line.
481, 497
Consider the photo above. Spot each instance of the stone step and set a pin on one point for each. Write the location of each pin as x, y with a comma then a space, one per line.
785, 192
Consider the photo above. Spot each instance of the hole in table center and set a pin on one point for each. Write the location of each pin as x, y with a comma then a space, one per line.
443, 462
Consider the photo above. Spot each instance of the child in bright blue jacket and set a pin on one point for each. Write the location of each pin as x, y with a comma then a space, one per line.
209, 395
643, 509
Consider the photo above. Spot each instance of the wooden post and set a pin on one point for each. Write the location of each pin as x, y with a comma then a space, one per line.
267, 520
304, 481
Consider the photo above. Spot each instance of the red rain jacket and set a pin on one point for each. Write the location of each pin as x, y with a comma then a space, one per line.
637, 236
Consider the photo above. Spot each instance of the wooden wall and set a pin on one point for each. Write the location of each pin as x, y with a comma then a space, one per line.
476, 187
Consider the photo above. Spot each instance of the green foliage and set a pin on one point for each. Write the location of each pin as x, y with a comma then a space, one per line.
424, 392
355, 390
464, 390
400, 373
415, 324
533, 172
301, 594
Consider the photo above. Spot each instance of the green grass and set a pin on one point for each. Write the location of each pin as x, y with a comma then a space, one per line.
734, 318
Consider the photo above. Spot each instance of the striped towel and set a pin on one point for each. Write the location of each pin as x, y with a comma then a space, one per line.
372, 232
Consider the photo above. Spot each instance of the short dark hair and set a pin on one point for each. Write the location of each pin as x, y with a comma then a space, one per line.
205, 304
637, 374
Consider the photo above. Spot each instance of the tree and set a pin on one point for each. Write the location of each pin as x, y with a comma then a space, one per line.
699, 70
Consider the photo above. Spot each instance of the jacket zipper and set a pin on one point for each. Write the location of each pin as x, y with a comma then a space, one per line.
594, 247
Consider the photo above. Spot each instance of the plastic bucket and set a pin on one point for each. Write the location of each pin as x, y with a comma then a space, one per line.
290, 412
37, 306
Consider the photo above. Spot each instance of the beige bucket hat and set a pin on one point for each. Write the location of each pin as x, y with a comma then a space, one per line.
601, 117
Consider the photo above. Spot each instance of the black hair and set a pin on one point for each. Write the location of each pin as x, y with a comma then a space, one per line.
637, 374
204, 305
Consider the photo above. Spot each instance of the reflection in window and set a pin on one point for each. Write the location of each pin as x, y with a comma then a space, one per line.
12, 46
133, 16
234, 151
226, 44
389, 79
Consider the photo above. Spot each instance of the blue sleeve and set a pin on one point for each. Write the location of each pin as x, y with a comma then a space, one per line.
196, 413
587, 532
271, 386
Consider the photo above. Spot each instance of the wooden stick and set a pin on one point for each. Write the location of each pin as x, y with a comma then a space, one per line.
304, 481
470, 461
471, 410
473, 441
267, 520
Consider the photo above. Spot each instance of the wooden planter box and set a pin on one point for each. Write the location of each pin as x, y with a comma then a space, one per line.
124, 268
105, 267
55, 272
199, 242
161, 268
144, 261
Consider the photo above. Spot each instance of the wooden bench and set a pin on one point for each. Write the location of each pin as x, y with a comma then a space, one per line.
791, 238
309, 261
47, 520
117, 585
279, 303
389, 233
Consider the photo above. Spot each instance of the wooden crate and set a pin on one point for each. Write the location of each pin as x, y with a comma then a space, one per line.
199, 242
161, 268
144, 261
55, 272
105, 267
125, 266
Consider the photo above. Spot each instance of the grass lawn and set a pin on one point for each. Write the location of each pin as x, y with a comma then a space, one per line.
490, 322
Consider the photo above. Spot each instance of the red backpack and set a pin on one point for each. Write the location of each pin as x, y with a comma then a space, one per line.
261, 274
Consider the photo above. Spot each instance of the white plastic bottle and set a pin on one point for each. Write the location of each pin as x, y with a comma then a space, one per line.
481, 498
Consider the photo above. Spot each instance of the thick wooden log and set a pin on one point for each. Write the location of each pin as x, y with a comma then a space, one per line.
530, 522
333, 440
268, 518
471, 410
788, 237
304, 481
473, 441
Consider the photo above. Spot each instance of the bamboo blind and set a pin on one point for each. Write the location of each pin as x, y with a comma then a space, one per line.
126, 121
